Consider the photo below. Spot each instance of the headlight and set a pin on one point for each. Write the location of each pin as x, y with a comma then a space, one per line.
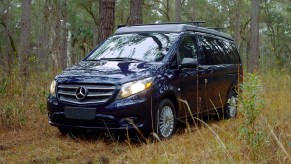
132, 88
53, 88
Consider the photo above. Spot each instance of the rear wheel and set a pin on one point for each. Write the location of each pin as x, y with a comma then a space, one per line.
166, 119
231, 106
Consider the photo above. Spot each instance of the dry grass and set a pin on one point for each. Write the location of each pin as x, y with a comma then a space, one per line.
25, 136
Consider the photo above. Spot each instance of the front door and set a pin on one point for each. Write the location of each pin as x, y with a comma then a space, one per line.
191, 80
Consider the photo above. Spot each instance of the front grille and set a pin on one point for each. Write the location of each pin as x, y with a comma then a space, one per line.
97, 93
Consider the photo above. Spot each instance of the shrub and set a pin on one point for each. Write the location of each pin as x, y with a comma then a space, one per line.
251, 103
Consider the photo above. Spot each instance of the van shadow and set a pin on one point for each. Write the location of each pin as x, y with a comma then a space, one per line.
137, 138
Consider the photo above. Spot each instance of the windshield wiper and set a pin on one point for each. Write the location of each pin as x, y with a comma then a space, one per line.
121, 59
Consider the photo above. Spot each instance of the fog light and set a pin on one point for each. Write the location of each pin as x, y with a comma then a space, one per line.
128, 121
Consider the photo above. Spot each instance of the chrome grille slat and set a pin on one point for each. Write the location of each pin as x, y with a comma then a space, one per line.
68, 93
96, 87
97, 93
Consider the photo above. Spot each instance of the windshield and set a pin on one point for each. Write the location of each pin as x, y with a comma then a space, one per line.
150, 47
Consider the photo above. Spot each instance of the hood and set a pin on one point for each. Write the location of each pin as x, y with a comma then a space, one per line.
109, 71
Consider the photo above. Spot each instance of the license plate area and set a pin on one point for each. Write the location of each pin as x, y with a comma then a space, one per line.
80, 113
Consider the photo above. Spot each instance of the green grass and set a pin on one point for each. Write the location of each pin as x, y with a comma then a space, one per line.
26, 137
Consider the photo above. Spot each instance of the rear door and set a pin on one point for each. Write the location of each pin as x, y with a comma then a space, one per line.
222, 70
208, 61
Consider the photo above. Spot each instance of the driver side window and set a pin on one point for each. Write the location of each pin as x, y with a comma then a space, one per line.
187, 48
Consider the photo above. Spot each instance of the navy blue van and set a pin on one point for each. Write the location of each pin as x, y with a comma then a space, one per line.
148, 77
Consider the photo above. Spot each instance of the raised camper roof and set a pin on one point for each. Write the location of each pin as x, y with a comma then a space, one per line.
171, 28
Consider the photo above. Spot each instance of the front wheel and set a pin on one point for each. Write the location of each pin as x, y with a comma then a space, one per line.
166, 119
66, 131
231, 106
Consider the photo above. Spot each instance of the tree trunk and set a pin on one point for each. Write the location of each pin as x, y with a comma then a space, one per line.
25, 29
193, 10
237, 37
95, 35
168, 10
254, 37
178, 10
62, 15
9, 52
42, 38
106, 13
135, 16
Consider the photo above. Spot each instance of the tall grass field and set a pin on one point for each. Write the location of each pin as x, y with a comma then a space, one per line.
261, 133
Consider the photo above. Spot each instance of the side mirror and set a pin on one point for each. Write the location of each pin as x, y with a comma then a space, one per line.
189, 63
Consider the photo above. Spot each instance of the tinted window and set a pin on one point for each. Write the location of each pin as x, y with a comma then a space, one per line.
219, 56
235, 54
210, 51
187, 48
231, 52
223, 51
147, 46
219, 51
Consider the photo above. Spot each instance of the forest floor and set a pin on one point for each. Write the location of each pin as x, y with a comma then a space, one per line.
34, 141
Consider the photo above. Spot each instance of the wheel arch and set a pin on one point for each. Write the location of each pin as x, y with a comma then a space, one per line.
173, 99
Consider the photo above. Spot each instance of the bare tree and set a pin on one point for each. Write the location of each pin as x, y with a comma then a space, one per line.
237, 37
64, 32
90, 8
135, 16
25, 29
106, 13
42, 37
8, 53
163, 7
178, 10
193, 10
253, 58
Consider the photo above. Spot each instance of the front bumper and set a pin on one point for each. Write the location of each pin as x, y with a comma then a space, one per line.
130, 113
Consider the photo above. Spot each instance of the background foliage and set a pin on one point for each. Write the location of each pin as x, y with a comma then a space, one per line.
64, 31
74, 24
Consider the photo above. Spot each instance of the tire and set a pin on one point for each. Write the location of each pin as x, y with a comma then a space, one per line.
64, 131
165, 124
231, 106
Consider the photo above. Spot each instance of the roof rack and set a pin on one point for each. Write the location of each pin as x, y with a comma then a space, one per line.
196, 23
220, 29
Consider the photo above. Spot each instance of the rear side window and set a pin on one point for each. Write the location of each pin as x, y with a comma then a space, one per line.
207, 51
219, 51
231, 52
213, 53
235, 54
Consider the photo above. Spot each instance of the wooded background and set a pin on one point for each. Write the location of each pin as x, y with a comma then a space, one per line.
39, 38
49, 35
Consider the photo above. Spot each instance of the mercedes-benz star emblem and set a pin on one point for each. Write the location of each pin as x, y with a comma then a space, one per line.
81, 93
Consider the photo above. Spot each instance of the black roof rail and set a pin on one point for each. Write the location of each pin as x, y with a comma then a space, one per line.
196, 23
220, 29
